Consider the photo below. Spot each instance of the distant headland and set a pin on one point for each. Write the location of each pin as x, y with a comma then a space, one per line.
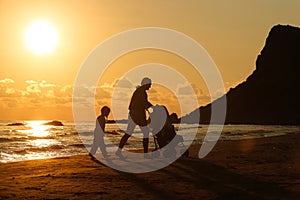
270, 93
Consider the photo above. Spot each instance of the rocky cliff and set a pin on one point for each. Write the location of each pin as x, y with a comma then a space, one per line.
270, 93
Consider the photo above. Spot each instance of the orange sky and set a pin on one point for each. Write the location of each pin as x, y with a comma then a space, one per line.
40, 86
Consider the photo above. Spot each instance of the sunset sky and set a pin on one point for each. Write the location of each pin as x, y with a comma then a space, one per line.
38, 85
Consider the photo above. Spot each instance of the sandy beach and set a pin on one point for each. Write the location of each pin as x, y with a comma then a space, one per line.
76, 73
266, 168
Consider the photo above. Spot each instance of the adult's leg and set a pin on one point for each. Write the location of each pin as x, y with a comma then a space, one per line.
130, 127
123, 140
145, 130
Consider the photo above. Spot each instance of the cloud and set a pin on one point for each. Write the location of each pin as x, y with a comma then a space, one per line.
12, 104
107, 86
63, 100
185, 90
102, 93
31, 82
83, 91
34, 88
63, 91
10, 91
35, 94
153, 91
45, 84
124, 83
7, 89
7, 80
48, 97
189, 89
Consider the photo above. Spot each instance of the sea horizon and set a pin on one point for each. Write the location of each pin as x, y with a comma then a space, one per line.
36, 141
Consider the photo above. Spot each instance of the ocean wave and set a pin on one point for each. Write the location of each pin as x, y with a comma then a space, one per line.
26, 151
79, 145
2, 154
4, 131
259, 131
49, 137
72, 133
5, 140
115, 132
85, 133
43, 149
14, 139
21, 152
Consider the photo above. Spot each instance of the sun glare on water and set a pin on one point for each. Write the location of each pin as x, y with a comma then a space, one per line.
41, 37
37, 129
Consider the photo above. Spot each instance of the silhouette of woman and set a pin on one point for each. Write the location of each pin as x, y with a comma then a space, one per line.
137, 115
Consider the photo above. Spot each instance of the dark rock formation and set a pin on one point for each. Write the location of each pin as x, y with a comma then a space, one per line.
16, 124
270, 93
54, 123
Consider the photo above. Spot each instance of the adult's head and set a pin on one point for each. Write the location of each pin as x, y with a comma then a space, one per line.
146, 82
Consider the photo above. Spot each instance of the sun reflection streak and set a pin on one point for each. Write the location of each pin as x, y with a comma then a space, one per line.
40, 140
44, 142
37, 129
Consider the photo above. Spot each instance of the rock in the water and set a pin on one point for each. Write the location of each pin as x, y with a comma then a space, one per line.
16, 124
54, 123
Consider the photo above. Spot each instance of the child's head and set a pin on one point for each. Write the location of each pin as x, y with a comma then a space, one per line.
105, 111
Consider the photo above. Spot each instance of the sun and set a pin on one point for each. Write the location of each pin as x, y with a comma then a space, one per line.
41, 37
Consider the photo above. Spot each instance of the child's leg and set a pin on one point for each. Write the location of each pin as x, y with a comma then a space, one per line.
96, 144
102, 146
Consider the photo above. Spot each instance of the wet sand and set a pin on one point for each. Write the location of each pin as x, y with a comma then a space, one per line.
267, 168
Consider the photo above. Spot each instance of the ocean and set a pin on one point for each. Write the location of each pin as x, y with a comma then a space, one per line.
31, 140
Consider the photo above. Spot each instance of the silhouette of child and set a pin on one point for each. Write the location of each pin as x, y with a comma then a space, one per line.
99, 132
